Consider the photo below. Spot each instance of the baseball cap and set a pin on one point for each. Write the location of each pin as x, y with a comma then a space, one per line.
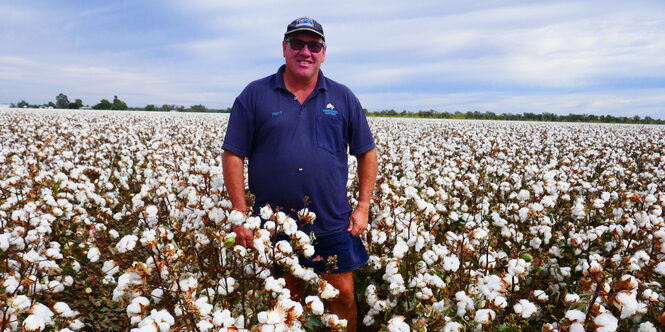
305, 24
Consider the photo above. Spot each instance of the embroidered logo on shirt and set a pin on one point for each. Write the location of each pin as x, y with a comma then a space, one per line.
277, 113
330, 110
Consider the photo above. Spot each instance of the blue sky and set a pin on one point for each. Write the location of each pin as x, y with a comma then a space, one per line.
595, 57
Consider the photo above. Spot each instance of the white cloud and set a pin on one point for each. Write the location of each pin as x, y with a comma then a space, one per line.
500, 54
636, 102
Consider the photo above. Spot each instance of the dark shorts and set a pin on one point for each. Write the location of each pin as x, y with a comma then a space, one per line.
350, 252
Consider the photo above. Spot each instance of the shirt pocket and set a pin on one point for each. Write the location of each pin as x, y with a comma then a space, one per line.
329, 133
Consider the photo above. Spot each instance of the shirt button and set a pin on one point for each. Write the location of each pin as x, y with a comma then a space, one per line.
295, 98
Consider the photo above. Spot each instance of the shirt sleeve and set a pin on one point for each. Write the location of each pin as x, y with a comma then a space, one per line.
239, 130
360, 135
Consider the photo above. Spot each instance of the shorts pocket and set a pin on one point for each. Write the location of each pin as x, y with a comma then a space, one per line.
329, 133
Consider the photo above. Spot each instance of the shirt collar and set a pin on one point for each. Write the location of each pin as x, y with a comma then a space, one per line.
278, 83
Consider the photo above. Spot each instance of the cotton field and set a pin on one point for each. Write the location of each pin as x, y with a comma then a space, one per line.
120, 221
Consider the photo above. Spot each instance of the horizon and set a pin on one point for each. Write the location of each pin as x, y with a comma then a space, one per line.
592, 57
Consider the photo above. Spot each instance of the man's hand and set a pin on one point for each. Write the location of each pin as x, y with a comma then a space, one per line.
358, 221
244, 236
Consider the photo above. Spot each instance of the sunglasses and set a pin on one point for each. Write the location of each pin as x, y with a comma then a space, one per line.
297, 45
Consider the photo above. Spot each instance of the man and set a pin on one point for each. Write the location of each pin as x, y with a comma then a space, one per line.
295, 127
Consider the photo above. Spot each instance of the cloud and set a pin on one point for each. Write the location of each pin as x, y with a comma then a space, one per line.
499, 54
640, 102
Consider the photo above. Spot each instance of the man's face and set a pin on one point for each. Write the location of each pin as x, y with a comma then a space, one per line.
303, 64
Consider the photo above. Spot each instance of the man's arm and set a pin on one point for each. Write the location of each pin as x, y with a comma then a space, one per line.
367, 168
234, 179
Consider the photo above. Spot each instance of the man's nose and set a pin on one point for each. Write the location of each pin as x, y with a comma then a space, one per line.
305, 51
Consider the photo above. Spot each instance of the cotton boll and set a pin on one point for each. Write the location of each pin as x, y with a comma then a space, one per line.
93, 254
138, 306
110, 268
647, 327
575, 316
236, 218
660, 268
223, 318
606, 322
34, 323
540, 295
63, 310
451, 263
157, 294
627, 302
314, 304
464, 303
127, 243
326, 290
400, 249
266, 212
397, 324
576, 327
452, 327
484, 316
204, 325
525, 308
571, 298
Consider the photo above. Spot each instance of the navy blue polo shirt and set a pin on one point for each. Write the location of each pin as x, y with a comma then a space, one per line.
297, 151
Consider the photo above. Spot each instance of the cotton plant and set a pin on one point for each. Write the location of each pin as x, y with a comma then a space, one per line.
474, 225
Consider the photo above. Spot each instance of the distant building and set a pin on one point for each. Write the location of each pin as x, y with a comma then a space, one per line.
3, 105
85, 108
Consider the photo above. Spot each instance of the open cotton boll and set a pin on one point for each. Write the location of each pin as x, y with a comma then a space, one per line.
226, 286
464, 303
525, 308
138, 306
326, 290
21, 302
606, 322
647, 327
571, 298
575, 315
398, 324
63, 310
314, 304
236, 218
127, 243
484, 316
451, 263
93, 254
223, 318
33, 323
400, 249
660, 268
452, 327
110, 268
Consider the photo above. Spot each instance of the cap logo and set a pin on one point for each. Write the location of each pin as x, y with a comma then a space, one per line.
304, 21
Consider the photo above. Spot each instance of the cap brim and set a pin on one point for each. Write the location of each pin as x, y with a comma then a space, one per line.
305, 29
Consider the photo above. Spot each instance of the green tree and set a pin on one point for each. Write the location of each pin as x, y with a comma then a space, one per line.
198, 108
150, 108
22, 104
118, 104
78, 103
104, 104
61, 101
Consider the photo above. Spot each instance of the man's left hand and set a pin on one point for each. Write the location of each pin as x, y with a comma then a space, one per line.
358, 221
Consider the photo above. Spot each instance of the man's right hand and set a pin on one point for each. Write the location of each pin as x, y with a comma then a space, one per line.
244, 236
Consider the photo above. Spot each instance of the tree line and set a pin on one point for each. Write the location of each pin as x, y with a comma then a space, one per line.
62, 102
528, 116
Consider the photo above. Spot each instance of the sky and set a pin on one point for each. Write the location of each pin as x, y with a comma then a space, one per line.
583, 57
